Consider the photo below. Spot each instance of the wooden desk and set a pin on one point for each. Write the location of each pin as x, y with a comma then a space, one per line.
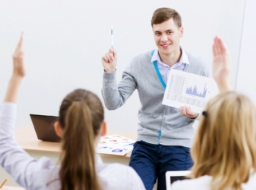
27, 139
11, 188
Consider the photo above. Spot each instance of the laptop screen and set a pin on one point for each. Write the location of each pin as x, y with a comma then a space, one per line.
172, 176
176, 178
44, 127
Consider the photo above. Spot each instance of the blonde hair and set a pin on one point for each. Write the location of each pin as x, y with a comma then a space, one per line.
225, 143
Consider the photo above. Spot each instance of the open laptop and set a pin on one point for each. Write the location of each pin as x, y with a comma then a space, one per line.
172, 176
44, 127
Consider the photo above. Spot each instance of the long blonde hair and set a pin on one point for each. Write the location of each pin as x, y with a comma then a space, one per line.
225, 143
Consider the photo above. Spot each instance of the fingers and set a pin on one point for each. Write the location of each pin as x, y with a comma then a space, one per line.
109, 57
190, 112
219, 47
186, 111
18, 59
222, 46
20, 44
114, 53
183, 110
19, 49
214, 51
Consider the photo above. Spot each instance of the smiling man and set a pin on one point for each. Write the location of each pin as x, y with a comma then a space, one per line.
164, 133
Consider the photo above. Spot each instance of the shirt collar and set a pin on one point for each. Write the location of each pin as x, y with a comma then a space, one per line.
183, 58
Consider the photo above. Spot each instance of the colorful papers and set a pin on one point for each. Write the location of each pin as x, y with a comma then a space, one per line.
115, 145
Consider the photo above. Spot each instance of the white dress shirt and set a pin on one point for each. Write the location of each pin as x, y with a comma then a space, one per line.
204, 183
164, 69
42, 174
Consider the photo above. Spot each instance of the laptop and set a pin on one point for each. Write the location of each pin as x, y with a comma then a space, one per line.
172, 176
44, 127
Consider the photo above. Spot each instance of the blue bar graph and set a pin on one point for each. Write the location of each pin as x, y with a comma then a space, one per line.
193, 91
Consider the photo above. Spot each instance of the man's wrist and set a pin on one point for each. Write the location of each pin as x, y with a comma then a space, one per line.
109, 70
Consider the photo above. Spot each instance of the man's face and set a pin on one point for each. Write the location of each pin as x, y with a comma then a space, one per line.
167, 36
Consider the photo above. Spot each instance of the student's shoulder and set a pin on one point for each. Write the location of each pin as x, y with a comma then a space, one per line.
126, 176
120, 169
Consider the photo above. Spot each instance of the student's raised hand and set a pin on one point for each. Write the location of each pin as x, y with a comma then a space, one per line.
186, 111
221, 64
18, 72
18, 59
109, 61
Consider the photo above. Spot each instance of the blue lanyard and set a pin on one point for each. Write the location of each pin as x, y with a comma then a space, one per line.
164, 86
158, 72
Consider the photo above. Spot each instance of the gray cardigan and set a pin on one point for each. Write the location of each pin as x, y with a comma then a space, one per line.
153, 115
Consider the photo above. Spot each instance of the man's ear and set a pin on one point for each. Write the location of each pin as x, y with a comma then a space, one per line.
58, 129
181, 31
103, 129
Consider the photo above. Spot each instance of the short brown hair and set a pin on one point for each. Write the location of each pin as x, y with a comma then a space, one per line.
163, 14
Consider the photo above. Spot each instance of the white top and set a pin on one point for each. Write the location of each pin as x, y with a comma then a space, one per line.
204, 183
42, 174
164, 69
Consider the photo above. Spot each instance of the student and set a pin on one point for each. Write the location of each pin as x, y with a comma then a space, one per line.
81, 123
224, 150
164, 133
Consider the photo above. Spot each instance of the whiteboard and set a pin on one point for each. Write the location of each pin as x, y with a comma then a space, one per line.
64, 42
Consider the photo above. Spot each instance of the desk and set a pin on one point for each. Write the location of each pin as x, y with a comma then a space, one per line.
27, 139
11, 188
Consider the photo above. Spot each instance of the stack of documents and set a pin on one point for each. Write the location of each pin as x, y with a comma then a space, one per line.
115, 145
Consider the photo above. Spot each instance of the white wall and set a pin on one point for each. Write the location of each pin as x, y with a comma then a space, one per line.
64, 42
247, 64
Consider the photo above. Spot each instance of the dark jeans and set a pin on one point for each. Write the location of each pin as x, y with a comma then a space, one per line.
151, 162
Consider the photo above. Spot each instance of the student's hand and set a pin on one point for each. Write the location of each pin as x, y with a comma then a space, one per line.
18, 59
18, 72
221, 64
109, 61
186, 111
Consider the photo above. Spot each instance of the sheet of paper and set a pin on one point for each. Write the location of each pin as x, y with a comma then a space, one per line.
115, 145
187, 89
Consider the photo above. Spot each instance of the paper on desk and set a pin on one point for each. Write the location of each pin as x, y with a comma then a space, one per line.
115, 145
187, 89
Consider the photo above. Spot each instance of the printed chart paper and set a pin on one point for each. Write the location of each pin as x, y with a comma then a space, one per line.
187, 89
115, 145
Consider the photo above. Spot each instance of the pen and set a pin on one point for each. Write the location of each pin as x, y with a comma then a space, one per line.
3, 183
112, 37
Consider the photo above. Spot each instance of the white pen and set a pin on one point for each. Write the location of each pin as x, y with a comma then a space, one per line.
112, 37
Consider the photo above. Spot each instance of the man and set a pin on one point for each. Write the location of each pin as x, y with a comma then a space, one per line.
165, 133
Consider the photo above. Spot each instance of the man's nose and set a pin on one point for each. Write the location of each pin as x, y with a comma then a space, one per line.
164, 37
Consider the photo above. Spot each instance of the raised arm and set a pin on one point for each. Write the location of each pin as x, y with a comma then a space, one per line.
19, 164
17, 74
115, 95
220, 65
